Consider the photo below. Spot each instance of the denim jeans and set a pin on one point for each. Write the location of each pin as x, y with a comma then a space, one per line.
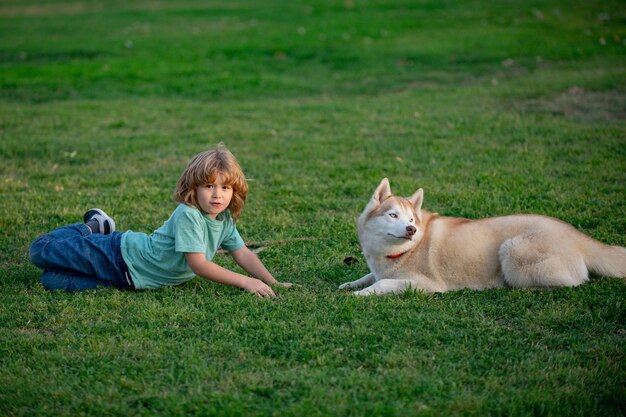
74, 259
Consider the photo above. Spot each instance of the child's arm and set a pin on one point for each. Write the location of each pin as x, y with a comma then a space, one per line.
248, 260
213, 272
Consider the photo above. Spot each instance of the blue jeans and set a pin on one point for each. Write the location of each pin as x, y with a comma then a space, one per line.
74, 259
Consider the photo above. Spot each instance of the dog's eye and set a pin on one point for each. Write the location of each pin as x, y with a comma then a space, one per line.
393, 215
411, 221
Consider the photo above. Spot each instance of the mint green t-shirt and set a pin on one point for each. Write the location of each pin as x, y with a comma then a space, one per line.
158, 259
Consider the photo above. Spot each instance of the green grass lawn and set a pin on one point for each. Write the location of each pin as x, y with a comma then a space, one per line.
492, 107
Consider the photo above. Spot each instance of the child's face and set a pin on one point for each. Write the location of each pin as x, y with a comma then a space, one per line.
215, 197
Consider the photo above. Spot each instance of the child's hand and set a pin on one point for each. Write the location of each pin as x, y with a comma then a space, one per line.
258, 287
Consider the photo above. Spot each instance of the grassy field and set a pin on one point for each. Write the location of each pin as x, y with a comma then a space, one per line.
492, 107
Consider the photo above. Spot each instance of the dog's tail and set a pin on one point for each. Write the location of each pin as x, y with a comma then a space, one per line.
605, 260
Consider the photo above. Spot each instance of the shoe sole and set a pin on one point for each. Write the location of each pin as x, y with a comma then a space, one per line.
106, 224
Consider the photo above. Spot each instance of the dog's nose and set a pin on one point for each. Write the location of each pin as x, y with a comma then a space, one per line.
410, 230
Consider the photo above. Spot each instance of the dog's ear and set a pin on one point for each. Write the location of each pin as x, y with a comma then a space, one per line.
416, 199
382, 192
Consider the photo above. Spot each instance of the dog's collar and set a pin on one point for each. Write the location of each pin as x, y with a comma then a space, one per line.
395, 255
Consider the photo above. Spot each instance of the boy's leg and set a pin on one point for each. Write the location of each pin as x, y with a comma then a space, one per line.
59, 281
74, 250
47, 252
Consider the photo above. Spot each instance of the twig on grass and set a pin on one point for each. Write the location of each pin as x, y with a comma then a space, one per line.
261, 245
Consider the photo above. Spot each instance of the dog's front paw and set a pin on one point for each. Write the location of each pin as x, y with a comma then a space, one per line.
363, 293
346, 285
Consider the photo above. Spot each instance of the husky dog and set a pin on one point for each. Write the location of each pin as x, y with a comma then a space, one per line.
407, 247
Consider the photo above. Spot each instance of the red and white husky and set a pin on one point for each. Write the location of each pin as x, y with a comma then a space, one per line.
407, 247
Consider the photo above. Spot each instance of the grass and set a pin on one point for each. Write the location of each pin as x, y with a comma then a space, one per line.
491, 108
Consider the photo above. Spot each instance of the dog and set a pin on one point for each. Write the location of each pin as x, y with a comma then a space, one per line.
409, 248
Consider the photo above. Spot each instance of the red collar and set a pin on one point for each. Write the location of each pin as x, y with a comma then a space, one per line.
395, 255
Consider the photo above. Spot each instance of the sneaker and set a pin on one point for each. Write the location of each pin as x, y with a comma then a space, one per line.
98, 219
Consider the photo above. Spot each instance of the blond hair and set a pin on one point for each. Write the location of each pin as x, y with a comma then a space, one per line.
203, 169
